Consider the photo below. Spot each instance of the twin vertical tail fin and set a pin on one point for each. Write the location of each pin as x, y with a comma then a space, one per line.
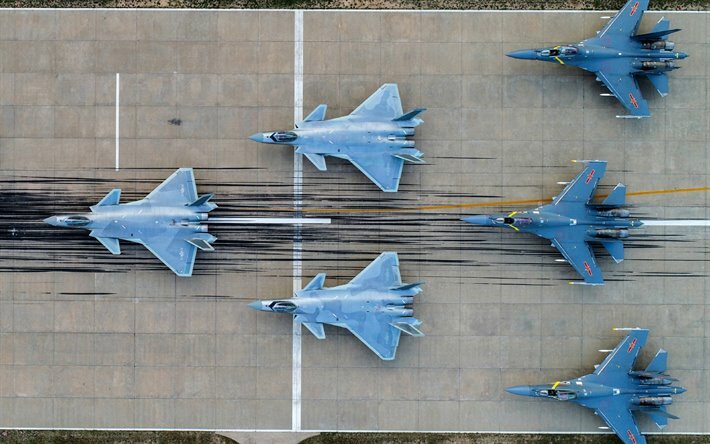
660, 31
660, 81
659, 362
617, 197
411, 115
408, 326
203, 204
203, 241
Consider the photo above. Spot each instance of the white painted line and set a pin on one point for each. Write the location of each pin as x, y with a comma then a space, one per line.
676, 223
448, 432
118, 94
268, 221
297, 203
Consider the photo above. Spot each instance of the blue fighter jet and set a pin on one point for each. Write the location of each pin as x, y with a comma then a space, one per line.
618, 56
166, 222
375, 306
374, 137
572, 220
615, 390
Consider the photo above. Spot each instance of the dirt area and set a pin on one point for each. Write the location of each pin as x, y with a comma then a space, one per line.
357, 4
112, 437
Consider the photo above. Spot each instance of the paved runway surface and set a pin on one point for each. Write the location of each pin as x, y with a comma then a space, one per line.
92, 340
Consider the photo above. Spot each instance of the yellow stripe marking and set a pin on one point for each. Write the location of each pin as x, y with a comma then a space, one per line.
488, 204
559, 60
556, 384
514, 227
513, 214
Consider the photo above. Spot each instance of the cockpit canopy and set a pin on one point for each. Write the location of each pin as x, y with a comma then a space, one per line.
284, 306
76, 221
517, 221
560, 394
564, 51
284, 136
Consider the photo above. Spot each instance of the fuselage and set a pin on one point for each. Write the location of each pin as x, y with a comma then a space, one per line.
133, 221
587, 389
344, 136
337, 304
544, 222
591, 55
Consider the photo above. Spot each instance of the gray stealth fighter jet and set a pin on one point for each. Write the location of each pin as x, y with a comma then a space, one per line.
166, 222
614, 391
374, 137
375, 306
618, 56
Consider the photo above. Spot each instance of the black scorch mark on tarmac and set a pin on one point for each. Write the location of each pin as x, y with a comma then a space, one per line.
436, 243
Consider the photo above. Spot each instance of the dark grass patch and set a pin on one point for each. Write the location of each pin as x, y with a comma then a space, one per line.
489, 438
108, 437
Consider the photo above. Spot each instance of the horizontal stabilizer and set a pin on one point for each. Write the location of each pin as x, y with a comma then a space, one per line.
659, 363
660, 81
316, 283
408, 325
617, 197
407, 286
659, 415
410, 115
202, 200
202, 244
409, 158
318, 160
317, 114
112, 198
615, 248
111, 243
654, 36
315, 328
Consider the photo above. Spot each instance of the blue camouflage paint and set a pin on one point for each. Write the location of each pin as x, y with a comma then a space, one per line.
615, 390
572, 220
618, 56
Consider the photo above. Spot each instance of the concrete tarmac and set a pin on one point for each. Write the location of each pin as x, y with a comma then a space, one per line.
91, 340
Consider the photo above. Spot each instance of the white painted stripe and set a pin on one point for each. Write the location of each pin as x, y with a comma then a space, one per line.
494, 432
677, 223
297, 203
268, 221
118, 95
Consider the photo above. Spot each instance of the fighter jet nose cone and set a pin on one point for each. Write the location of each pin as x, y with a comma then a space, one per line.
680, 390
51, 221
256, 305
683, 55
520, 390
523, 54
476, 220
257, 137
